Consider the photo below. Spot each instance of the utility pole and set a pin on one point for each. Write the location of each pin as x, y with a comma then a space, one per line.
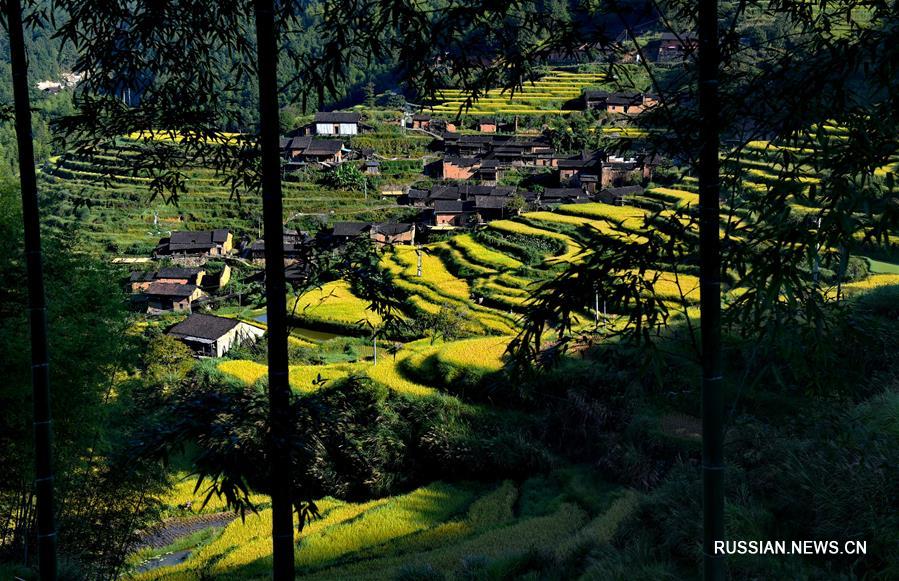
37, 306
710, 292
280, 417
596, 308
418, 254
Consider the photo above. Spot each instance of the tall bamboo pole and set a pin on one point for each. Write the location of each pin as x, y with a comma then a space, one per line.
37, 305
275, 294
710, 292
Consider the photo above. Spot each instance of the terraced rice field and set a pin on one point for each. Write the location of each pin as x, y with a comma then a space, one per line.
120, 216
435, 527
543, 97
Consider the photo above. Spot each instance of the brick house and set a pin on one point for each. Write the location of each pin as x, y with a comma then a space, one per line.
452, 212
139, 281
163, 297
629, 103
487, 125
458, 168
380, 233
595, 100
305, 149
393, 233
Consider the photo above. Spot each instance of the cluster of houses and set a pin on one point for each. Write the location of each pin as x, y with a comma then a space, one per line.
485, 159
305, 145
449, 206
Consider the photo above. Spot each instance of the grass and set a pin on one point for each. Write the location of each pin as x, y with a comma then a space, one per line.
334, 304
478, 253
484, 355
303, 378
673, 195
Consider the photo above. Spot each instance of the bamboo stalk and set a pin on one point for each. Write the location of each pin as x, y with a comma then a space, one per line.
275, 295
710, 292
37, 305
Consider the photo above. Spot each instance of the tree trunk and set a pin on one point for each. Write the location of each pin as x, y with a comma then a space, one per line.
710, 292
37, 306
280, 418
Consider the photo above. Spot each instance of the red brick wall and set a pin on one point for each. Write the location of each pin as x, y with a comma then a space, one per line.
454, 172
442, 219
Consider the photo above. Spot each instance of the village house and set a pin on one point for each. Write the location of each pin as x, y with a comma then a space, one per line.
380, 233
294, 243
487, 125
336, 123
629, 103
674, 47
594, 171
372, 167
139, 281
441, 126
508, 149
164, 297
458, 168
421, 121
595, 100
393, 233
299, 151
618, 171
347, 230
489, 172
617, 103
583, 169
211, 336
452, 212
551, 196
196, 244
493, 207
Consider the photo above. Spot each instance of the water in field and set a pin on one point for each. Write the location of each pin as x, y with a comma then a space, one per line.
303, 332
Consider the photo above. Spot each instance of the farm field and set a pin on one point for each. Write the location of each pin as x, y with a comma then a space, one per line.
482, 279
121, 217
436, 527
545, 96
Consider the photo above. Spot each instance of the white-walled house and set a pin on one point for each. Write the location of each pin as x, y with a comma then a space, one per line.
336, 123
211, 336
